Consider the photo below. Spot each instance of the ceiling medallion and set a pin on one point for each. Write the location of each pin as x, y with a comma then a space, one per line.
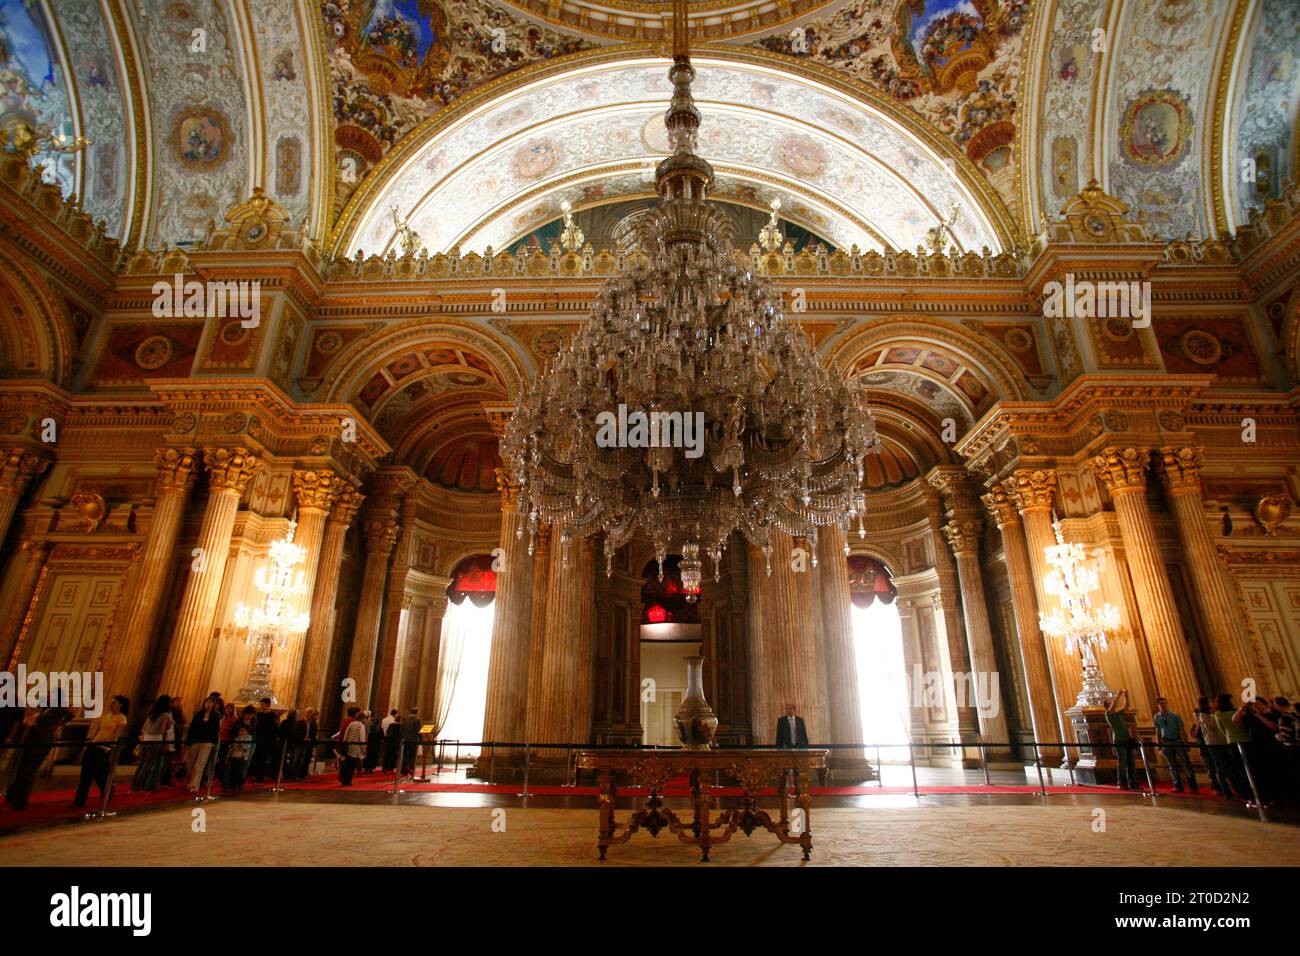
688, 407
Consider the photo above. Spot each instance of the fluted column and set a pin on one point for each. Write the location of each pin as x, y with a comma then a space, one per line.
17, 469
1046, 716
585, 639
953, 647
380, 534
562, 649
318, 643
1231, 649
431, 643
762, 710
1124, 472
537, 631
507, 693
229, 471
786, 642
1033, 490
963, 534
314, 493
836, 650
32, 554
128, 658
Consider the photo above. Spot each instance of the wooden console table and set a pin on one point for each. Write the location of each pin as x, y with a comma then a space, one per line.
754, 769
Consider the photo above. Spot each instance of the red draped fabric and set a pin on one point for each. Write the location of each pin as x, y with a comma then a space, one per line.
473, 578
869, 580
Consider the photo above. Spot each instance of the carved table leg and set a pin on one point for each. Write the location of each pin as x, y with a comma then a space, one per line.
606, 784
805, 804
700, 825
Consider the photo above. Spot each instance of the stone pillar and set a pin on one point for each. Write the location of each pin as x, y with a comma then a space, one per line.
1047, 717
836, 648
537, 632
1032, 491
396, 613
33, 555
430, 647
229, 471
952, 643
1124, 472
963, 534
787, 642
507, 693
17, 469
585, 639
1230, 648
320, 631
763, 710
130, 652
315, 492
562, 648
381, 535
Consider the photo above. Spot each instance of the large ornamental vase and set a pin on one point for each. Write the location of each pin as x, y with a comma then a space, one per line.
696, 722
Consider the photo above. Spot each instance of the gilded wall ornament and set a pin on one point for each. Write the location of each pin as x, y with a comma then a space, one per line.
1271, 511
90, 509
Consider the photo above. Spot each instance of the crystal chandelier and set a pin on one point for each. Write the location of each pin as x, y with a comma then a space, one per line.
1075, 620
727, 420
277, 618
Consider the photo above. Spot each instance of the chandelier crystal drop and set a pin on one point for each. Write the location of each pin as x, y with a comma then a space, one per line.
1075, 620
277, 618
726, 419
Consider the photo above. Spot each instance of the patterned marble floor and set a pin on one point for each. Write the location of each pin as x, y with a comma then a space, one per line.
283, 833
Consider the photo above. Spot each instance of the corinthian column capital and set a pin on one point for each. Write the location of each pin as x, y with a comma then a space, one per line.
177, 469
1031, 488
1122, 470
1180, 468
17, 468
316, 489
1000, 505
954, 485
230, 468
963, 535
508, 488
380, 535
346, 504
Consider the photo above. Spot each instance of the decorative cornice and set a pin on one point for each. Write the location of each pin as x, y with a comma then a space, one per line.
17, 469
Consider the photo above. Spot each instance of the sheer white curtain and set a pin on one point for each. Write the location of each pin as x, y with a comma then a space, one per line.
882, 680
461, 695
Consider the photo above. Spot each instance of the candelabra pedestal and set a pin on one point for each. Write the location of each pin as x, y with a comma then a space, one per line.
1096, 763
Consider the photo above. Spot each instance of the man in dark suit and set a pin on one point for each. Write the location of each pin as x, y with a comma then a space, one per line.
790, 730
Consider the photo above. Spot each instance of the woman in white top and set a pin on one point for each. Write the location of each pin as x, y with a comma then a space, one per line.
1213, 742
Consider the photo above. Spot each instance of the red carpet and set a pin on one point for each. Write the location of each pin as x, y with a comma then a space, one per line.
55, 806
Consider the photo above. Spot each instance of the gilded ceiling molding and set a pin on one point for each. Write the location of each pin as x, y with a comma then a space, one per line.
139, 115
1104, 110
1217, 163
39, 330
1003, 375
316, 72
708, 19
55, 26
370, 353
1007, 231
244, 39
1035, 67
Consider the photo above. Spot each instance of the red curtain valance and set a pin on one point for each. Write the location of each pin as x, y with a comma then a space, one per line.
473, 578
869, 580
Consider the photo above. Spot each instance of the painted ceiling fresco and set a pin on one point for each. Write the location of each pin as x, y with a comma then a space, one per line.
878, 184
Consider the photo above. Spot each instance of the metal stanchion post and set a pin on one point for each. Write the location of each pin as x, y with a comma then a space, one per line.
424, 769
880, 769
1146, 766
212, 773
279, 774
1250, 778
1069, 766
911, 759
984, 759
1038, 762
397, 771
455, 764
492, 763
103, 813
528, 759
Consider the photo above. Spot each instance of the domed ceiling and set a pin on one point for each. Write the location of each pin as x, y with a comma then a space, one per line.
467, 463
